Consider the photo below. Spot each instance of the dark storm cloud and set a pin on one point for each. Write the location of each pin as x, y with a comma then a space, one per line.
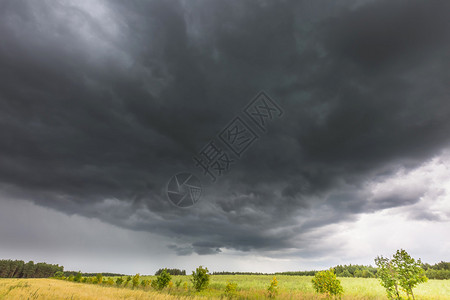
101, 104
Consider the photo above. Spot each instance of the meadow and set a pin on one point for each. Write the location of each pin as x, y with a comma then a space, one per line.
249, 287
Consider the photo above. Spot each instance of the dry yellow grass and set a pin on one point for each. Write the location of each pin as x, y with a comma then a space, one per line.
46, 289
253, 287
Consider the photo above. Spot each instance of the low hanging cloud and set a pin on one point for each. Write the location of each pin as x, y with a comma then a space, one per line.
100, 104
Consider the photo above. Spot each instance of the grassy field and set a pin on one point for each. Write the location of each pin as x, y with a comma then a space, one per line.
249, 287
47, 289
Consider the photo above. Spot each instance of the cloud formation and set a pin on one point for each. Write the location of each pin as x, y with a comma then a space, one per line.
100, 104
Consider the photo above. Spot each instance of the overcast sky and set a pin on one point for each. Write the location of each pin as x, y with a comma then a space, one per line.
102, 102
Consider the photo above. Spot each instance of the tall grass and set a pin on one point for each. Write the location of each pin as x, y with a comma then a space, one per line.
46, 289
248, 286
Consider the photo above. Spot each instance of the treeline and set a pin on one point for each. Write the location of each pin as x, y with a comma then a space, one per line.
440, 270
437, 271
20, 269
73, 273
298, 273
240, 273
340, 271
360, 271
171, 272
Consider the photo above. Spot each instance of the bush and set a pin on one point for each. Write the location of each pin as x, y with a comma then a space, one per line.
127, 281
119, 281
135, 281
231, 290
77, 277
325, 282
273, 288
145, 283
178, 283
99, 278
200, 278
162, 280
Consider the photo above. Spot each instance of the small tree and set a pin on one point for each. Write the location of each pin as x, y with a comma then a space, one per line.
127, 280
59, 275
162, 280
77, 277
325, 282
153, 284
110, 281
231, 290
135, 280
273, 288
99, 278
200, 278
388, 277
401, 271
145, 283
178, 283
119, 281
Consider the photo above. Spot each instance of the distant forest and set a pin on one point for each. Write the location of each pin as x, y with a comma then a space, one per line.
73, 273
241, 273
437, 271
20, 269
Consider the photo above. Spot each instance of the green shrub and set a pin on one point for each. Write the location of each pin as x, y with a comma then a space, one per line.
325, 282
135, 281
273, 288
127, 281
77, 277
231, 290
178, 283
162, 280
119, 281
200, 278
99, 278
145, 283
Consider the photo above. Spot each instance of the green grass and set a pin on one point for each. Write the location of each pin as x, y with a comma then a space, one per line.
300, 287
249, 287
